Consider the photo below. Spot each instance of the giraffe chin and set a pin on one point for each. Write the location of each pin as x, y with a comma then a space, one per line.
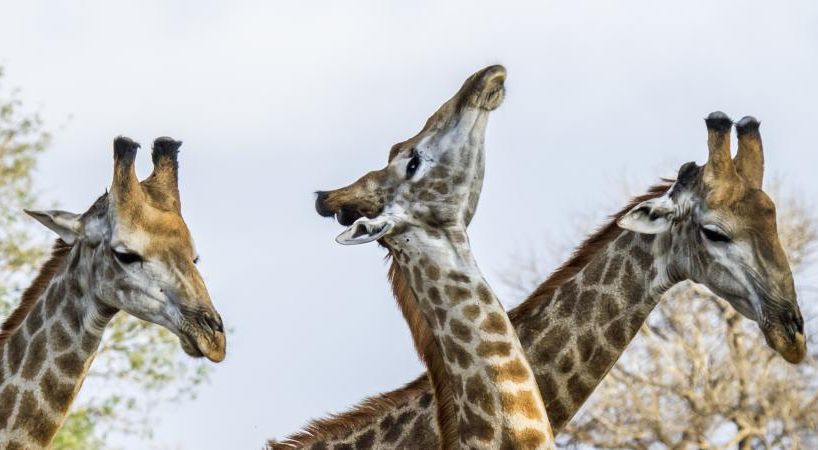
792, 350
201, 347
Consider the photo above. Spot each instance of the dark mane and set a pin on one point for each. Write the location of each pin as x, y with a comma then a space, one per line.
35, 290
338, 425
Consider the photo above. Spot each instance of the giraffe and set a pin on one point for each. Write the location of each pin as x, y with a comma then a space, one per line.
427, 347
130, 251
434, 182
713, 225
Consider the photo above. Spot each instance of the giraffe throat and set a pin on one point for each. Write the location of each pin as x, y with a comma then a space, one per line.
496, 399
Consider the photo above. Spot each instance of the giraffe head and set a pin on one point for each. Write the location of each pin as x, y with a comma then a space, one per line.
141, 257
432, 180
717, 227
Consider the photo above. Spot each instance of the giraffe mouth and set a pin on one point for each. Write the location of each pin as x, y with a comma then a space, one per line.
199, 346
203, 337
327, 206
782, 325
793, 350
347, 217
791, 345
189, 346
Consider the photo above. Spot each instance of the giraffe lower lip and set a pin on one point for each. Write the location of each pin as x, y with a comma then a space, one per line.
210, 346
793, 350
190, 347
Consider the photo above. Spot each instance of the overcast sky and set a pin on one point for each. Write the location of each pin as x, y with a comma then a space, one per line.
274, 100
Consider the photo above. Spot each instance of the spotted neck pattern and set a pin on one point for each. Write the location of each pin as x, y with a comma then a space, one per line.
573, 328
496, 399
44, 361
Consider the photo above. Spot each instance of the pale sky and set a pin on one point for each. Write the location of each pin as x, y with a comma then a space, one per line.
274, 100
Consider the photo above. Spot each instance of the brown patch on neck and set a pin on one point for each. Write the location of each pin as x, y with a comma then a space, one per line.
35, 290
430, 353
583, 254
371, 408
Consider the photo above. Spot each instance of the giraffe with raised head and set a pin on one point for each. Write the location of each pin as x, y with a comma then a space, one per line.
429, 189
714, 225
132, 252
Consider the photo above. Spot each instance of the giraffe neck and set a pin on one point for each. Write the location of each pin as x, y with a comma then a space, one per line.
44, 361
575, 331
496, 400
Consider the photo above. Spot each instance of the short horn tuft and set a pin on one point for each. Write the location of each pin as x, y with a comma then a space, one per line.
718, 121
125, 148
165, 148
747, 124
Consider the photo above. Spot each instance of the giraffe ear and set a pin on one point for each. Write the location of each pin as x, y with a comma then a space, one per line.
65, 224
649, 217
365, 230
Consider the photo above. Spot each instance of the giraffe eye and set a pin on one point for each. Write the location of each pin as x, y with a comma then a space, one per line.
413, 165
127, 257
715, 235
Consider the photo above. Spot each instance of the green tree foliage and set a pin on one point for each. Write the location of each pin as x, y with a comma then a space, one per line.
22, 139
139, 365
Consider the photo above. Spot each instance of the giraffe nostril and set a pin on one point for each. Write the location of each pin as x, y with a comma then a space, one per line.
798, 319
204, 322
219, 324
213, 322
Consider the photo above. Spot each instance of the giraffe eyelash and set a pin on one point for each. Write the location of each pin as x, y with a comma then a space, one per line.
715, 235
127, 257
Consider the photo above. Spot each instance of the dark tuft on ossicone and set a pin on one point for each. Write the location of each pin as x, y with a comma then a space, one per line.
747, 125
125, 148
718, 121
165, 147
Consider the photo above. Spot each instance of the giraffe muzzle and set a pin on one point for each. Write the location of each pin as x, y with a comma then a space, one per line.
787, 338
325, 207
486, 88
203, 335
321, 206
792, 349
